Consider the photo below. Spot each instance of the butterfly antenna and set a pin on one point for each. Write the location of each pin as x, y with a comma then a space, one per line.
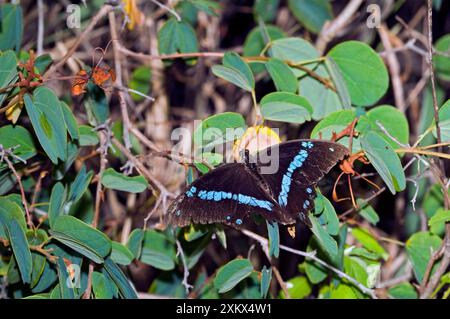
349, 178
335, 196
368, 181
103, 52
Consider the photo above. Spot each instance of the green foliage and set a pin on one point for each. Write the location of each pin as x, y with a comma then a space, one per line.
364, 72
11, 31
115, 180
312, 14
286, 107
229, 275
54, 146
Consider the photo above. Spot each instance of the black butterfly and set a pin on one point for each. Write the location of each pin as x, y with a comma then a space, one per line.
231, 193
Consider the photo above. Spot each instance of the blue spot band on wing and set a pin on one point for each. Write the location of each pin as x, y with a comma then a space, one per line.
297, 162
220, 195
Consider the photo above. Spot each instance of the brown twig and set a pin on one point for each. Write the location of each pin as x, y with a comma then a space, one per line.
330, 29
22, 190
154, 183
444, 251
147, 57
119, 81
394, 68
98, 199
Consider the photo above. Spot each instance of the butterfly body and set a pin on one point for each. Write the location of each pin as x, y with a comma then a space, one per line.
99, 76
283, 193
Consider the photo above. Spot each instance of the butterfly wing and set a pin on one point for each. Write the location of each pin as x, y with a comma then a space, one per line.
79, 83
292, 169
101, 75
228, 194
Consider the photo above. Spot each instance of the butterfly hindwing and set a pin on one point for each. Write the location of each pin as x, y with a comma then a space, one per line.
228, 194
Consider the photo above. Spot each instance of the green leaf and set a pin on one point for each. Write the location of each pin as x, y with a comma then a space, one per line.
385, 161
439, 219
66, 288
10, 211
234, 61
315, 272
274, 239
46, 280
391, 119
343, 292
339, 83
444, 122
121, 281
19, 245
354, 267
311, 13
175, 36
233, 76
403, 291
135, 241
266, 9
79, 186
218, 129
140, 81
328, 214
286, 107
96, 104
45, 113
442, 62
36, 238
194, 232
362, 252
70, 121
57, 198
81, 237
213, 159
420, 248
88, 137
11, 30
8, 71
369, 242
266, 277
324, 100
158, 251
42, 62
282, 75
232, 273
115, 180
323, 238
12, 136
367, 212
120, 254
363, 70
298, 287
255, 42
334, 123
295, 50
101, 286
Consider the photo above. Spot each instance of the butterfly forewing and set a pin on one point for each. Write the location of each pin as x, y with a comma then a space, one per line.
292, 170
229, 194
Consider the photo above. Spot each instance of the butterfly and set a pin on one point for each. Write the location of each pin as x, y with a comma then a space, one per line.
99, 76
232, 193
